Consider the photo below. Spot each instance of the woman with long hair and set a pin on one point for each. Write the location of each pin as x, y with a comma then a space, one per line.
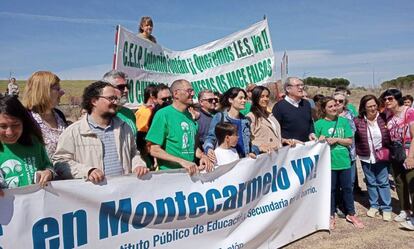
372, 137
232, 102
23, 158
41, 96
264, 126
145, 29
336, 131
401, 127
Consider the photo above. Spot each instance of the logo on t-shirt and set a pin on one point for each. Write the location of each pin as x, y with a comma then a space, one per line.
12, 170
186, 130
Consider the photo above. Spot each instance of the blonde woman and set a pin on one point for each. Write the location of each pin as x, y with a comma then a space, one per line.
41, 96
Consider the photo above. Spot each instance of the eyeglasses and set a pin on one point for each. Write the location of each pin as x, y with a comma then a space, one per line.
211, 100
389, 98
189, 90
112, 99
122, 87
298, 86
166, 99
341, 101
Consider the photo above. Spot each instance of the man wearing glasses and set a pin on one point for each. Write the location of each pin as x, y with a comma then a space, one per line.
99, 144
294, 114
208, 102
163, 95
173, 132
119, 80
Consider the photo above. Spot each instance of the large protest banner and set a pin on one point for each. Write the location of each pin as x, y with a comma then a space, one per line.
262, 203
236, 60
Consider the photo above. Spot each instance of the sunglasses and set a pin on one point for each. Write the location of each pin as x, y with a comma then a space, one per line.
166, 99
211, 100
341, 101
389, 98
122, 87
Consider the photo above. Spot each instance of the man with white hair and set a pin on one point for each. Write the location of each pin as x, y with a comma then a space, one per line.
118, 80
294, 114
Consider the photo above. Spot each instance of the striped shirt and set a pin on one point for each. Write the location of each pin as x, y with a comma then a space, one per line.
112, 165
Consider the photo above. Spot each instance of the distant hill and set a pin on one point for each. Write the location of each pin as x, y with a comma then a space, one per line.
73, 89
404, 82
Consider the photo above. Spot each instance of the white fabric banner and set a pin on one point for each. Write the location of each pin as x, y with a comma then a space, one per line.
234, 61
262, 203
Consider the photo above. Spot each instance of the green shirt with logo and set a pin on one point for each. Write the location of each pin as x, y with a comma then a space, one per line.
340, 158
19, 163
175, 132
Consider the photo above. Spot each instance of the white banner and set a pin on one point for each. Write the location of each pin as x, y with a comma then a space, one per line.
234, 61
262, 203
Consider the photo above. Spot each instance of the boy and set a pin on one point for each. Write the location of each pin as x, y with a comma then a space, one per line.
227, 136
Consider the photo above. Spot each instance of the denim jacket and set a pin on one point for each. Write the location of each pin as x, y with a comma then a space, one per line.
211, 141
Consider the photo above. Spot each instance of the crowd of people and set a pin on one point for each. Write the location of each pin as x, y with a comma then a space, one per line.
170, 131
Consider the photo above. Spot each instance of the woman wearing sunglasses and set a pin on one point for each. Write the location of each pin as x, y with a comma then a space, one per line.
342, 103
401, 127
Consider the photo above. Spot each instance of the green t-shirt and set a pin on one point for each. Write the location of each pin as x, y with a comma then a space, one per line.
340, 158
247, 108
175, 132
352, 109
18, 163
128, 116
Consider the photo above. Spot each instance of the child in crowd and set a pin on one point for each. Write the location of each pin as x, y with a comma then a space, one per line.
145, 29
227, 137
23, 157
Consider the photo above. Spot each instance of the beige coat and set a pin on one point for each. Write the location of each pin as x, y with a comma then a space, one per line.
79, 150
263, 132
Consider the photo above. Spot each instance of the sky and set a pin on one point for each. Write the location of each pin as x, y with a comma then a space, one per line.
366, 42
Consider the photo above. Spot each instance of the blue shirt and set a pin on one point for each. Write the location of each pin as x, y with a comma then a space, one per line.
112, 165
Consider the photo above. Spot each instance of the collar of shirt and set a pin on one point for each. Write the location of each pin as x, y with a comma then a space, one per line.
94, 125
292, 101
373, 121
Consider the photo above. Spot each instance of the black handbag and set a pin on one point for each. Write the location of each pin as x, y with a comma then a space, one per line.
397, 148
398, 154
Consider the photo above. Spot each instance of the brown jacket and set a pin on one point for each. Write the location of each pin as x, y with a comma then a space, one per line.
79, 150
263, 131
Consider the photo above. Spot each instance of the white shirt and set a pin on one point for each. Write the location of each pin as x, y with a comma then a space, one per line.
292, 101
374, 132
225, 156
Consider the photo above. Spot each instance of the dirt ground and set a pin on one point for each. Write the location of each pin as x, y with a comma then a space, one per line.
376, 234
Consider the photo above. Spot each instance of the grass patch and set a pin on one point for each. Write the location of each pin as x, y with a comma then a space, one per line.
73, 89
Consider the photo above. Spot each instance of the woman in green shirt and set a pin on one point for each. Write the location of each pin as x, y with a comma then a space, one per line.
23, 157
337, 132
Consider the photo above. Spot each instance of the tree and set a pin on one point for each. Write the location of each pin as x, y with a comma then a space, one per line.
314, 81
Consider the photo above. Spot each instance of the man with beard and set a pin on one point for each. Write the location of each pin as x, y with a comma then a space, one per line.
118, 80
173, 135
99, 144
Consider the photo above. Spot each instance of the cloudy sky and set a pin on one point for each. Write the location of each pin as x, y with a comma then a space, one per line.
364, 41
